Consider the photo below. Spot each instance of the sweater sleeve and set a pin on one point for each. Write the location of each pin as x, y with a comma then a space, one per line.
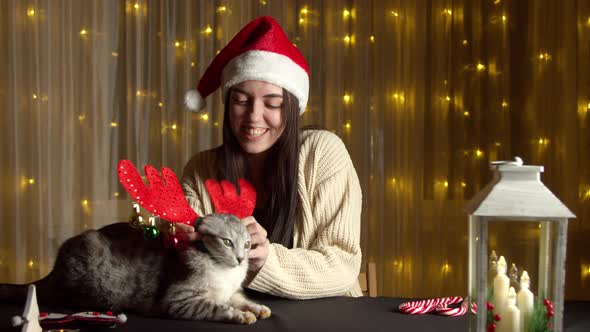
193, 184
327, 259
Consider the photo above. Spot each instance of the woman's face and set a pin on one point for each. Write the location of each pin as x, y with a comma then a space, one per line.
255, 115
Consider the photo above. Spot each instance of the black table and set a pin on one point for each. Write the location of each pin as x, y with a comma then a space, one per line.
328, 314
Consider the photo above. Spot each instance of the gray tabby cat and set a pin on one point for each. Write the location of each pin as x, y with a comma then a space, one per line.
116, 268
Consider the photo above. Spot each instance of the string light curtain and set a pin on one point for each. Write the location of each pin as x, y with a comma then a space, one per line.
423, 93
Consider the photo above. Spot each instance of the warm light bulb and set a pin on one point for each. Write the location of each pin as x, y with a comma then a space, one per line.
504, 104
503, 18
115, 54
393, 180
173, 126
446, 184
345, 13
116, 194
205, 117
372, 38
84, 202
347, 39
114, 124
347, 125
192, 63
81, 117
478, 153
208, 30
480, 67
301, 21
221, 9
177, 44
463, 184
466, 114
304, 11
35, 96
465, 42
160, 104
347, 98
448, 98
83, 32
263, 2
394, 13
136, 6
31, 181
31, 12
31, 264
589, 106
447, 12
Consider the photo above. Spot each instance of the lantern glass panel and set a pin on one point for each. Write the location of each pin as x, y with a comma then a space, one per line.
531, 244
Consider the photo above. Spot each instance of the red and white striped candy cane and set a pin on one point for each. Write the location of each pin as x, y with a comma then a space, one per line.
426, 306
446, 311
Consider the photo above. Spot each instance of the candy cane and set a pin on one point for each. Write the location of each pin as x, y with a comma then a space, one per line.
446, 311
426, 306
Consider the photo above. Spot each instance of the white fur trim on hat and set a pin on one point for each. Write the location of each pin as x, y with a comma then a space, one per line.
194, 101
268, 67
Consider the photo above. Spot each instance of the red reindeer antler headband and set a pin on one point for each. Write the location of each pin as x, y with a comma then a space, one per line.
166, 200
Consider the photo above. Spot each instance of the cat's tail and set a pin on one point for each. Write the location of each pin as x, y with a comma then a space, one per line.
17, 293
12, 293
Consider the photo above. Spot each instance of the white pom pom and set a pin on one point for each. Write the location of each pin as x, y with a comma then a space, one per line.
122, 318
194, 101
17, 321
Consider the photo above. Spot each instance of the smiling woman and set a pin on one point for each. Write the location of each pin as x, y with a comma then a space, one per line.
305, 229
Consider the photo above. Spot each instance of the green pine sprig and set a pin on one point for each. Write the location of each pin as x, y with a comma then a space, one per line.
539, 320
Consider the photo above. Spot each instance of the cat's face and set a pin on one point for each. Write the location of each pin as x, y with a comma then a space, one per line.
226, 239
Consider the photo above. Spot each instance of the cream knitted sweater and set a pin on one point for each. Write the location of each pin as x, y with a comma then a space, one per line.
326, 256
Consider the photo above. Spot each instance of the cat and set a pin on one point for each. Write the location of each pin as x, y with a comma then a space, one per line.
116, 268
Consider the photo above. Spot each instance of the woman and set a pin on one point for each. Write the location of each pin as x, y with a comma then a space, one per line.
305, 230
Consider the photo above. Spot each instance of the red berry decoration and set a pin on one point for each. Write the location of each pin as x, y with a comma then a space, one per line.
497, 317
489, 305
492, 327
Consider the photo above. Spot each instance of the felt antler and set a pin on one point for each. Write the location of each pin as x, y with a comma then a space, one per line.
226, 199
165, 200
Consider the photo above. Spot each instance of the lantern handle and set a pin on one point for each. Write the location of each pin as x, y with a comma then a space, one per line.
517, 162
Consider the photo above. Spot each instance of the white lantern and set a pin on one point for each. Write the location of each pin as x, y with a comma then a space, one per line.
516, 194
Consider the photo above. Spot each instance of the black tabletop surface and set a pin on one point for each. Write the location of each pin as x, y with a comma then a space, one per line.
327, 314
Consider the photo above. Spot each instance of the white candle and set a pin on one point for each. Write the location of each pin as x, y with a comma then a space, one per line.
510, 319
501, 286
525, 300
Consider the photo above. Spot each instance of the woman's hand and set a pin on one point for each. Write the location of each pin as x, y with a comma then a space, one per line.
187, 230
259, 244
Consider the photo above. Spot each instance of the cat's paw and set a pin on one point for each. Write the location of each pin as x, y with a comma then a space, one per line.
246, 317
263, 312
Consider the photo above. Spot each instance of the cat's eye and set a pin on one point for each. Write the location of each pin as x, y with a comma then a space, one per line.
227, 243
247, 245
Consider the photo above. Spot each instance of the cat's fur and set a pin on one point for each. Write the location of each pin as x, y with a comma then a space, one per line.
117, 268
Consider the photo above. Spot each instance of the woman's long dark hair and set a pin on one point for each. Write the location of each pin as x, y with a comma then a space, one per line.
282, 207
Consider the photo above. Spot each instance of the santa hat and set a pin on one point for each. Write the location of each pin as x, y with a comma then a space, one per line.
261, 51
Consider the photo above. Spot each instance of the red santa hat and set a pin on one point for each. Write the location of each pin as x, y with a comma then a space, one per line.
261, 51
